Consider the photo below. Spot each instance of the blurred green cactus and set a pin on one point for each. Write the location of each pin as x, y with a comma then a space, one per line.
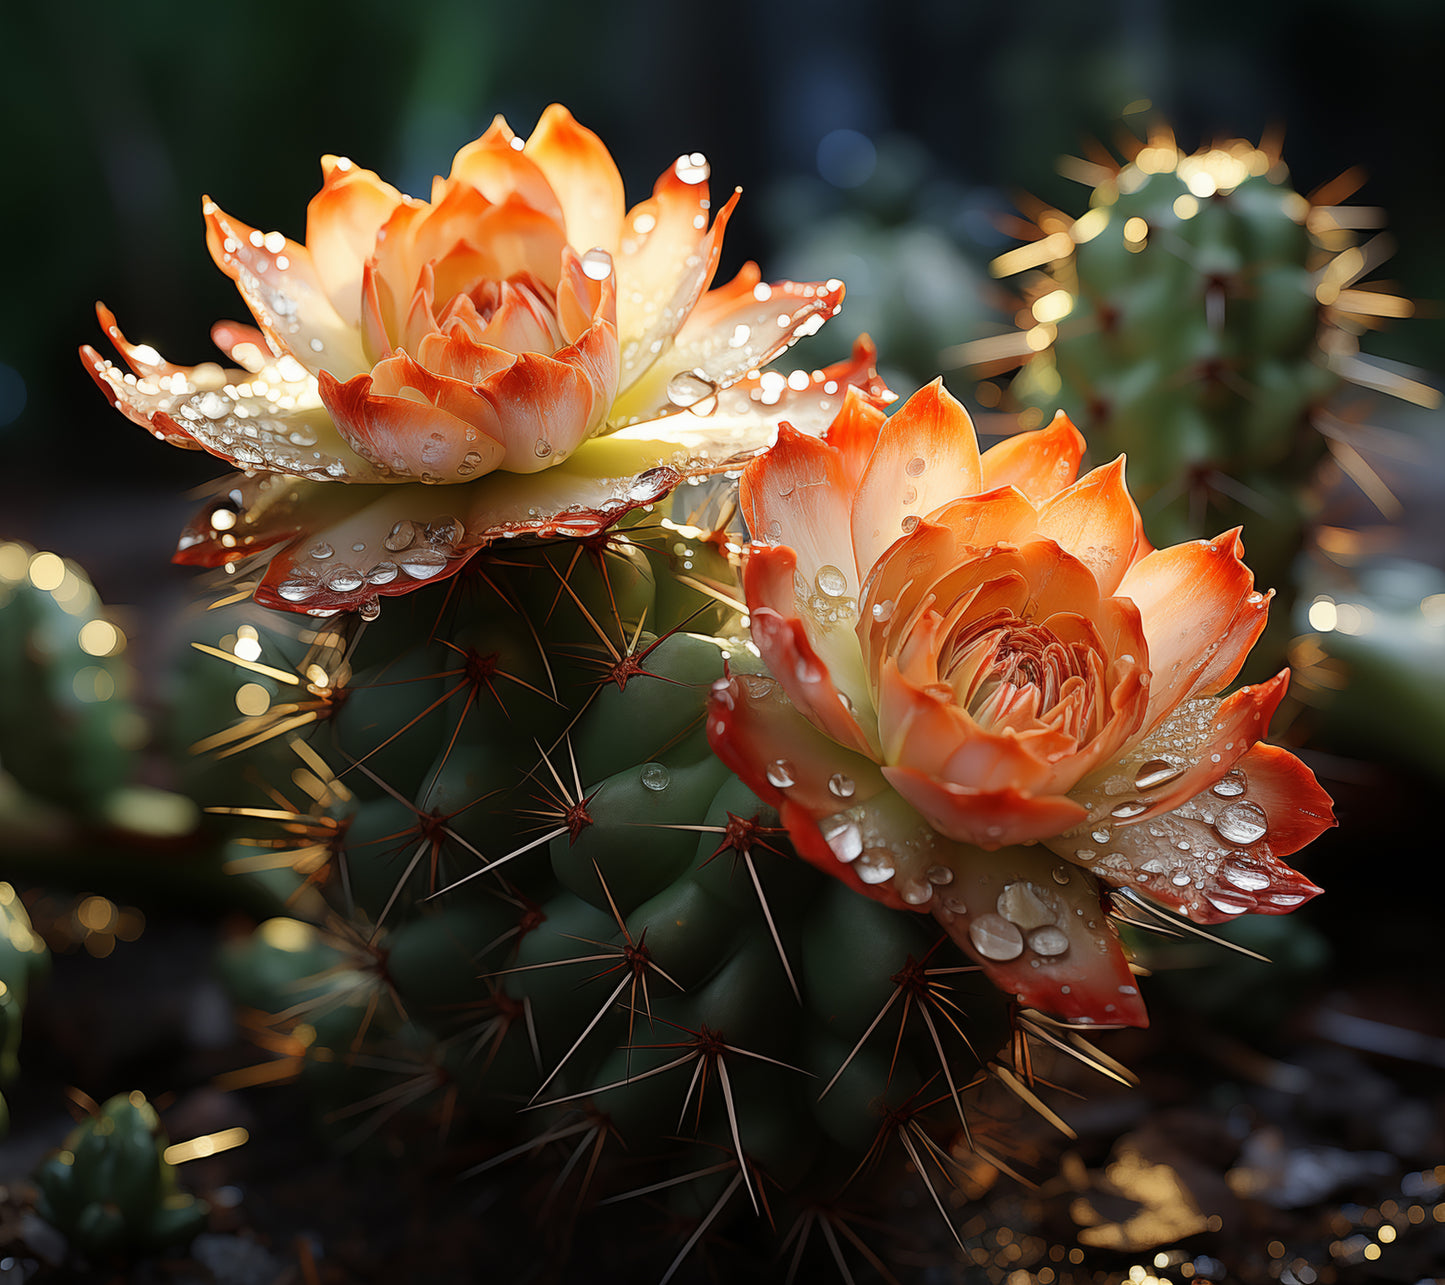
110, 1190
22, 960
1198, 317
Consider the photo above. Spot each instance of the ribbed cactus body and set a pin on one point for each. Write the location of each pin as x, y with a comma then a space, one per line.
1186, 323
547, 898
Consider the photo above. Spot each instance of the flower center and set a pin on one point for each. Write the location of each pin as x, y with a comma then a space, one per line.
1005, 669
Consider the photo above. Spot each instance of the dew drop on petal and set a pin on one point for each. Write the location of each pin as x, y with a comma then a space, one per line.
370, 609
343, 580
381, 573
1129, 808
780, 773
915, 466
1244, 875
846, 841
914, 894
1102, 836
1241, 823
1231, 785
1049, 941
832, 583
401, 536
320, 551
995, 938
298, 589
1228, 905
1061, 875
423, 564
840, 786
883, 611
1156, 772
1024, 904
692, 168
689, 387
597, 264
940, 875
541, 448
874, 866
655, 776
910, 523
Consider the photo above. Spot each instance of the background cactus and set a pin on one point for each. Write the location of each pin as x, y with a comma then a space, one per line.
1200, 317
22, 960
110, 1189
540, 907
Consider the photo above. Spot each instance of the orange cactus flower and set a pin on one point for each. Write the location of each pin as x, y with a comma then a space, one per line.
521, 336
992, 700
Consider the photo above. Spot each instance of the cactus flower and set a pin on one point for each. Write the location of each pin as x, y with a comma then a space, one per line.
543, 356
993, 700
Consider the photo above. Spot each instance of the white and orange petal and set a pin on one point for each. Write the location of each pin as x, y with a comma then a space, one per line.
665, 261
718, 346
1041, 933
286, 295
988, 819
342, 222
1200, 614
268, 418
926, 456
1097, 521
580, 171
1040, 463
497, 167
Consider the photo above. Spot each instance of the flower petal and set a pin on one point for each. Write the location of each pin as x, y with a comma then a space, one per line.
988, 818
1096, 520
818, 662
1200, 614
285, 294
582, 173
1040, 463
667, 257
342, 221
247, 514
1216, 856
716, 348
1041, 933
498, 169
926, 456
270, 418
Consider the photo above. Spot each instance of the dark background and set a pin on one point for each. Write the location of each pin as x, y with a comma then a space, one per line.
118, 118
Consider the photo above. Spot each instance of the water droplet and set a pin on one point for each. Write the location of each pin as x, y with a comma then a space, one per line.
1241, 823
423, 564
213, 406
915, 466
298, 589
381, 573
995, 938
651, 485
1049, 941
320, 551
445, 530
910, 523
844, 838
953, 903
370, 609
831, 581
597, 263
541, 448
1285, 898
875, 866
1244, 875
402, 535
1156, 772
940, 875
1180, 880
1231, 785
1024, 904
343, 580
840, 786
655, 776
692, 168
883, 611
780, 773
688, 387
914, 894
1061, 876
1129, 808
1228, 905
807, 671
1102, 836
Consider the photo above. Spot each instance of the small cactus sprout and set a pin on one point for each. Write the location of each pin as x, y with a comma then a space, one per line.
110, 1189
1200, 317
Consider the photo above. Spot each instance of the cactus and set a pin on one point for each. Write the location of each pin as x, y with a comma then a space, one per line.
111, 1191
22, 959
1199, 317
538, 905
